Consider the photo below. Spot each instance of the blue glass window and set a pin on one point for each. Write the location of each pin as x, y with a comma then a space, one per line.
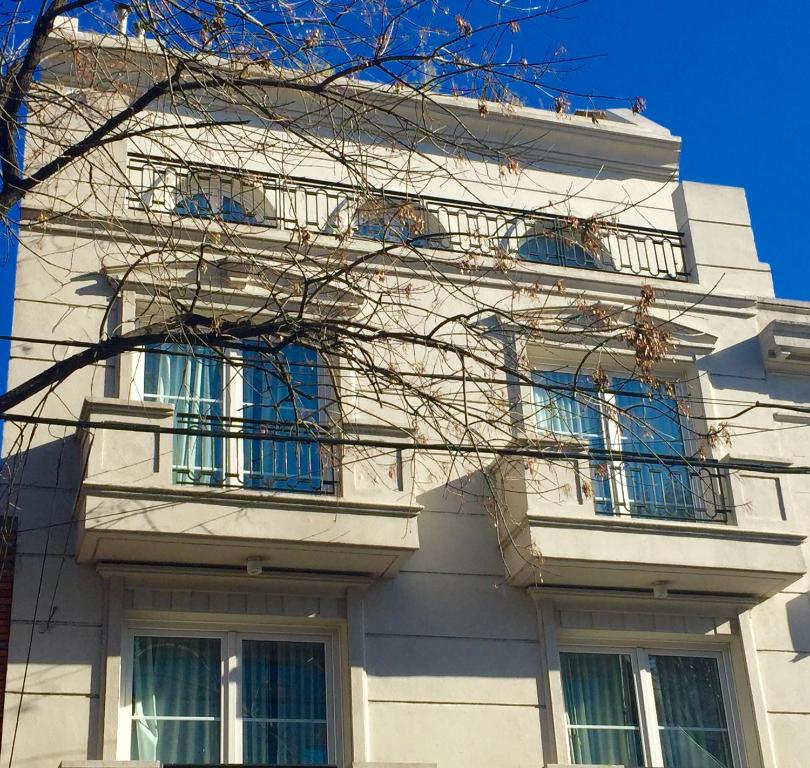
390, 224
549, 247
280, 396
284, 713
199, 205
648, 423
578, 414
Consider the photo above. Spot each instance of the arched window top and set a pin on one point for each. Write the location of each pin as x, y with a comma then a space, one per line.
547, 244
395, 221
235, 200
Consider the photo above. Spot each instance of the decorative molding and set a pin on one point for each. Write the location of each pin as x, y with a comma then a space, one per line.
785, 346
630, 601
231, 579
269, 500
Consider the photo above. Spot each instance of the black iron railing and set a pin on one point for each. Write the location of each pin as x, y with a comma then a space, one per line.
667, 488
228, 451
290, 203
246, 765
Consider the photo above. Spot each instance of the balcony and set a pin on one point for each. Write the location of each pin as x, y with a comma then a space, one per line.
290, 203
145, 500
559, 528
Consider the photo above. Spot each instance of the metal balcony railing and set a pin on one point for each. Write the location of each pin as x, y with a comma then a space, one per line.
290, 203
246, 765
250, 453
662, 488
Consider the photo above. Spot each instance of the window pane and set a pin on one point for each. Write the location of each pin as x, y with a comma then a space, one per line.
649, 423
176, 677
600, 707
605, 746
280, 396
176, 741
284, 743
190, 378
565, 412
391, 222
691, 714
283, 702
553, 247
575, 414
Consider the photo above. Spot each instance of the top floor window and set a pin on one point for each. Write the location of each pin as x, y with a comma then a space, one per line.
207, 195
392, 222
248, 391
630, 417
561, 247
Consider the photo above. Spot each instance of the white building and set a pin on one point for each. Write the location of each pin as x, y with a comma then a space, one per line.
191, 599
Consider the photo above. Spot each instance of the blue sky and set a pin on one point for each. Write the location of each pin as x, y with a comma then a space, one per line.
728, 76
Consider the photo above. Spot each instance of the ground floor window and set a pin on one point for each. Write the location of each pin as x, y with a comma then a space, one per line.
642, 707
232, 697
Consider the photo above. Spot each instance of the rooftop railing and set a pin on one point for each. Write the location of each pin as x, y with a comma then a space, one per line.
290, 203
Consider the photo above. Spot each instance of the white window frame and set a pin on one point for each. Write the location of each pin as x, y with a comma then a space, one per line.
230, 681
232, 407
619, 486
645, 697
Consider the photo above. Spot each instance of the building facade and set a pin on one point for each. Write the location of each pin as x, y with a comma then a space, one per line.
187, 595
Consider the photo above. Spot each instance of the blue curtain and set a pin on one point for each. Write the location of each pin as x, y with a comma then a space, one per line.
173, 678
600, 708
691, 716
283, 703
649, 422
280, 396
190, 378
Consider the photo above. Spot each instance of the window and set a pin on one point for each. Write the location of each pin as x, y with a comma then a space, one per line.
640, 707
243, 390
548, 245
209, 195
630, 417
392, 222
197, 698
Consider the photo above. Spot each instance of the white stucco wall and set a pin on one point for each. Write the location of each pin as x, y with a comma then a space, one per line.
454, 658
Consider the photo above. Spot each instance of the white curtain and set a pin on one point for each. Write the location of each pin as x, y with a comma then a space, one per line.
176, 700
600, 707
565, 412
283, 703
191, 379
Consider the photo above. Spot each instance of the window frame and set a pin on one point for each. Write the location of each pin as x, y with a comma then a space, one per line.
233, 453
618, 479
645, 697
230, 638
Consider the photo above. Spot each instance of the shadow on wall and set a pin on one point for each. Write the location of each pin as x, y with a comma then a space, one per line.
798, 619
53, 649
